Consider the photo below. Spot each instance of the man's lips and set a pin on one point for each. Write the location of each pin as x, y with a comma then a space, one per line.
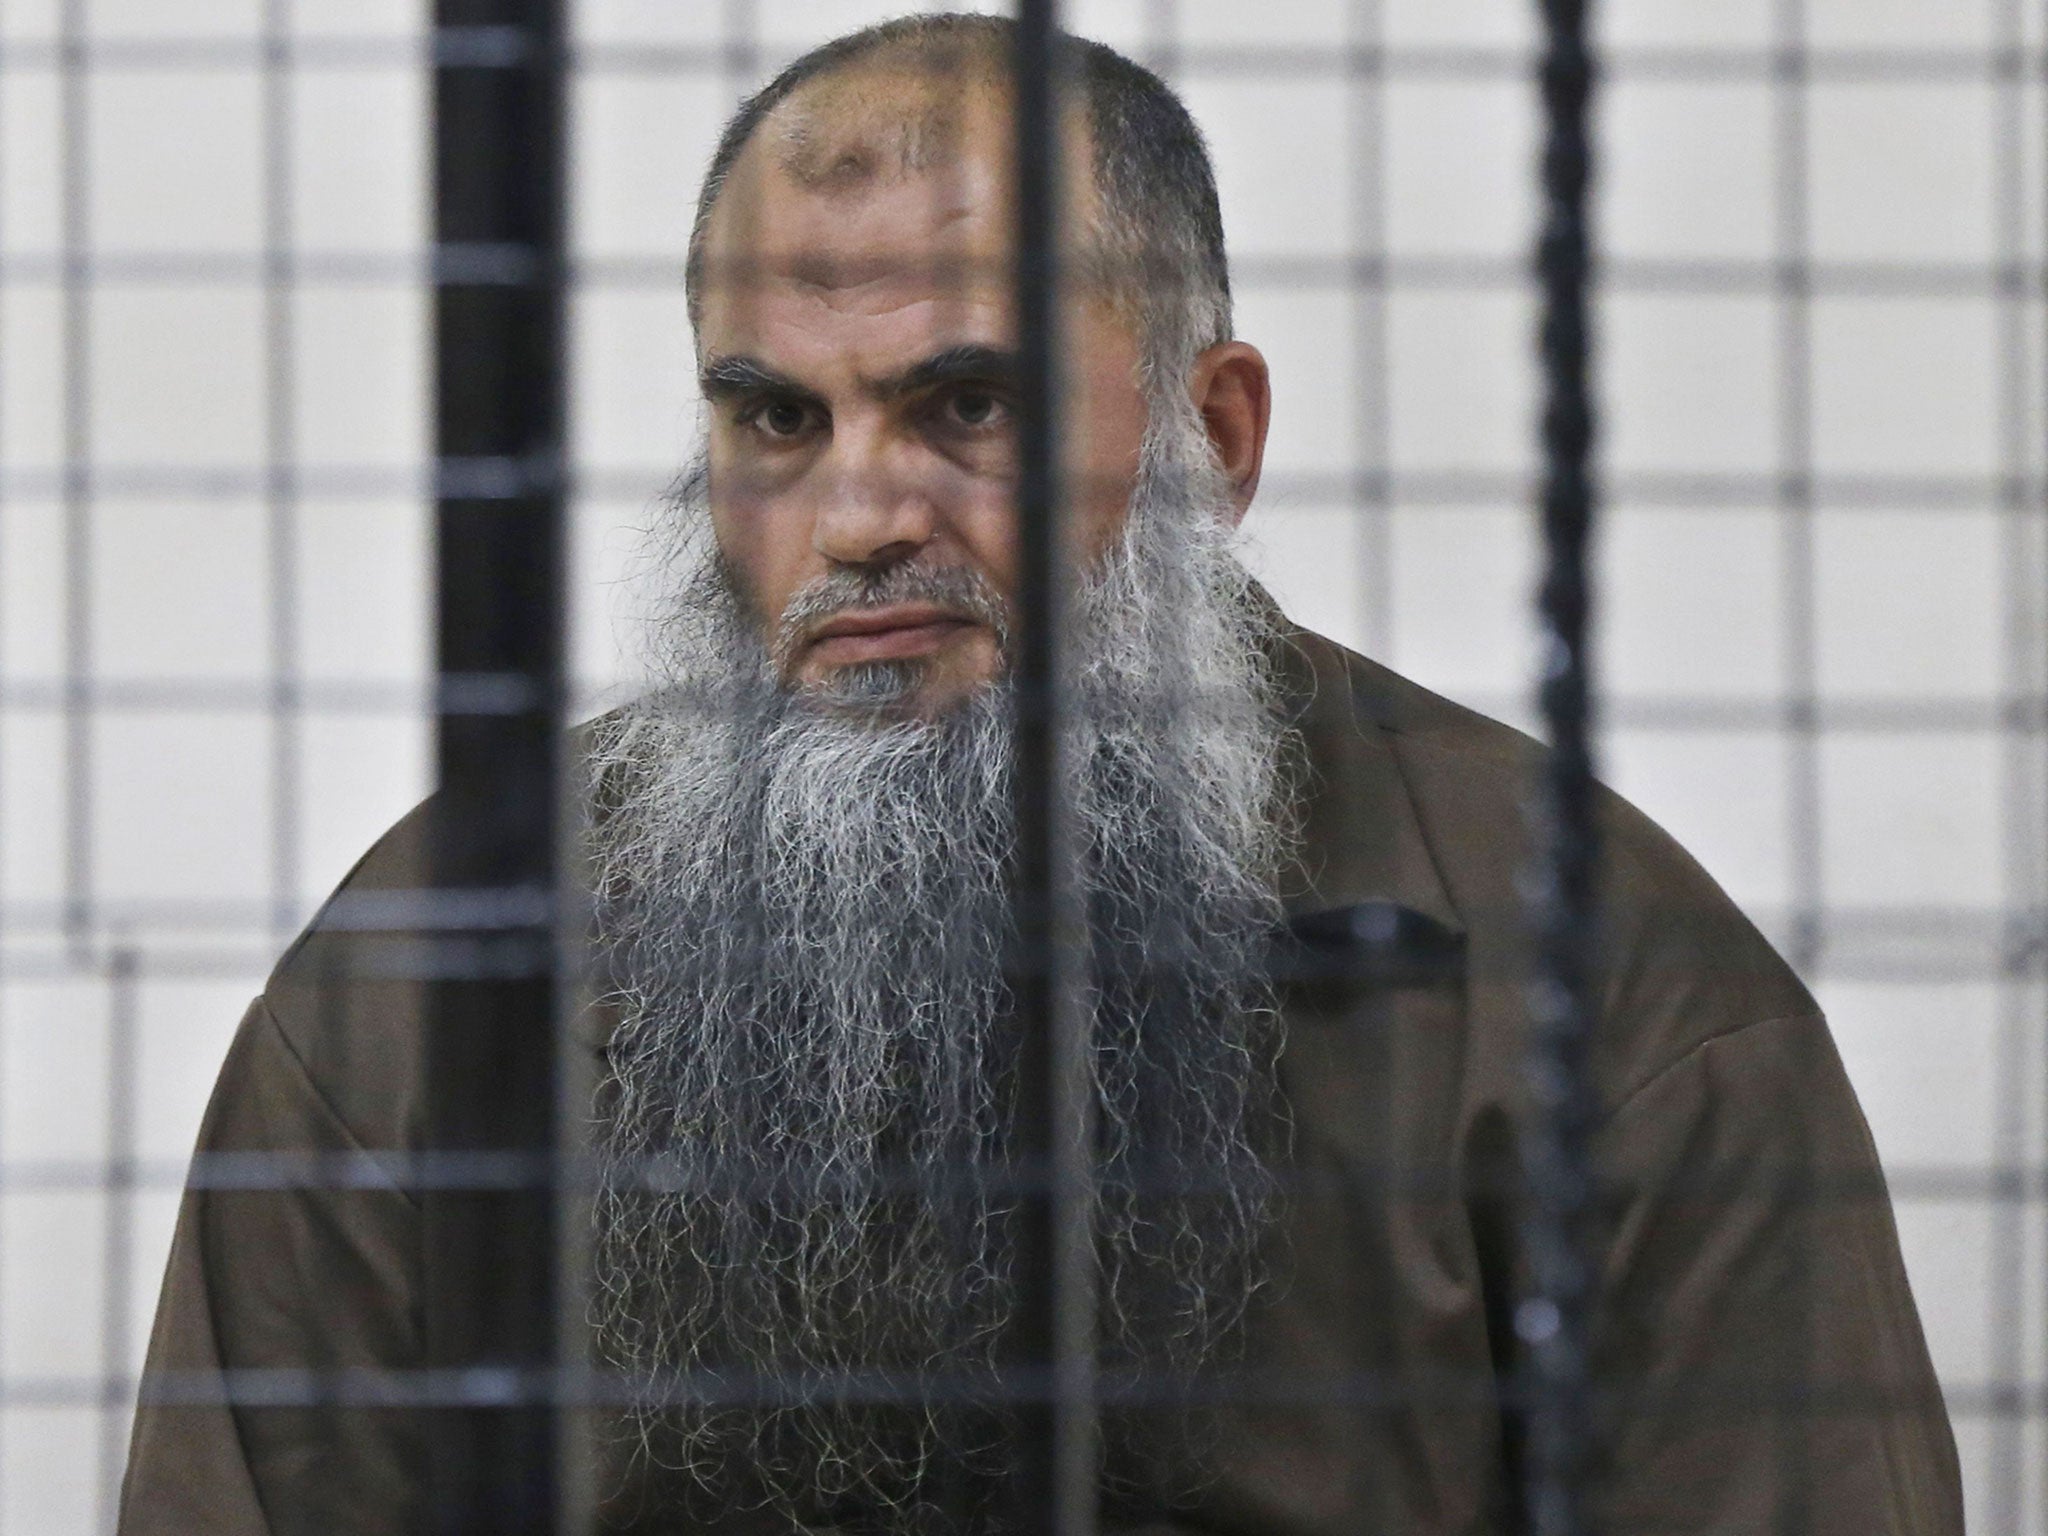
885, 634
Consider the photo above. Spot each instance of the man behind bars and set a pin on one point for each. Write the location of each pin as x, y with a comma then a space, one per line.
1300, 877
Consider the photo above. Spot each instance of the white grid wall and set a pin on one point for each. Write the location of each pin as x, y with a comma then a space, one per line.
1824, 565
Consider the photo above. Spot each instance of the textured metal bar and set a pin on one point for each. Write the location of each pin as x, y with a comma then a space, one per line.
1054, 1342
1558, 1224
491, 1256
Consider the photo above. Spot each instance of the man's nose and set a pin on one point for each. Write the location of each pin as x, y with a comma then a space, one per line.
875, 512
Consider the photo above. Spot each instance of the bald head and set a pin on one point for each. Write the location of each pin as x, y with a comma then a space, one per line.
927, 99
888, 116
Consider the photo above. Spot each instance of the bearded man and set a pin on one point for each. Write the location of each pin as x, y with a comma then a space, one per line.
1299, 877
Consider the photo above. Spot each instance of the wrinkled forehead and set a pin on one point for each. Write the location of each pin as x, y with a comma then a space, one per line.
875, 186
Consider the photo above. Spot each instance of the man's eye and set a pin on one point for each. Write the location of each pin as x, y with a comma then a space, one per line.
977, 408
780, 418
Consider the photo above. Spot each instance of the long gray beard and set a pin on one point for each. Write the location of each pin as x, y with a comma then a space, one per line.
803, 1231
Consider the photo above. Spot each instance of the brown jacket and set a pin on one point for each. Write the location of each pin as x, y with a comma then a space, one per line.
1755, 1324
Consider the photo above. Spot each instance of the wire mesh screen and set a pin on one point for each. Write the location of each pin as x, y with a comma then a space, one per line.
1821, 569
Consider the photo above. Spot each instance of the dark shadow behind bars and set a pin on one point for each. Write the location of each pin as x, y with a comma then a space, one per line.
498, 987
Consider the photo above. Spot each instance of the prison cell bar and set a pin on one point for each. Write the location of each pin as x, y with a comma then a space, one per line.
1556, 1386
1797, 336
1053, 1339
490, 1255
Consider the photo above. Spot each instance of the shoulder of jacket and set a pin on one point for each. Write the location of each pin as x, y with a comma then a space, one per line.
1683, 963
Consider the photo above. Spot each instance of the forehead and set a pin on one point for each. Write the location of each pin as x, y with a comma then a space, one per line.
877, 194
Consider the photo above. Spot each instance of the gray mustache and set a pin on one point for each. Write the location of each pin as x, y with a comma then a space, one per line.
958, 589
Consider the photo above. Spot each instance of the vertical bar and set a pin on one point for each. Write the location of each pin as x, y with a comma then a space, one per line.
491, 1254
2006, 1301
117, 1391
577, 1428
1370, 396
1558, 1224
2034, 1417
77, 489
1162, 37
742, 44
280, 454
1795, 482
1399, 1385
1796, 507
1055, 1326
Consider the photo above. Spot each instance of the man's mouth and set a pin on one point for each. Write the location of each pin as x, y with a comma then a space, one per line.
893, 633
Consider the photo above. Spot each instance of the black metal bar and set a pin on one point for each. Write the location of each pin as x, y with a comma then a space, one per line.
1054, 1339
491, 1280
1559, 1219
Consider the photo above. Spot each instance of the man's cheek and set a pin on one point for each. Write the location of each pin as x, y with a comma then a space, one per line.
986, 528
763, 559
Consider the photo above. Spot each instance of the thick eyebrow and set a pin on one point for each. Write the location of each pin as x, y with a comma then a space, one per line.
970, 361
739, 377
735, 378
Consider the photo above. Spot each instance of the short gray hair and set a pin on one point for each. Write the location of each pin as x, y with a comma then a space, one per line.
1160, 225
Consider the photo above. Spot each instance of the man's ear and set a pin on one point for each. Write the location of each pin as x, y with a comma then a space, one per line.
1233, 390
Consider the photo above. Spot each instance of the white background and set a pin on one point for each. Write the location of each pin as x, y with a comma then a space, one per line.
209, 695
